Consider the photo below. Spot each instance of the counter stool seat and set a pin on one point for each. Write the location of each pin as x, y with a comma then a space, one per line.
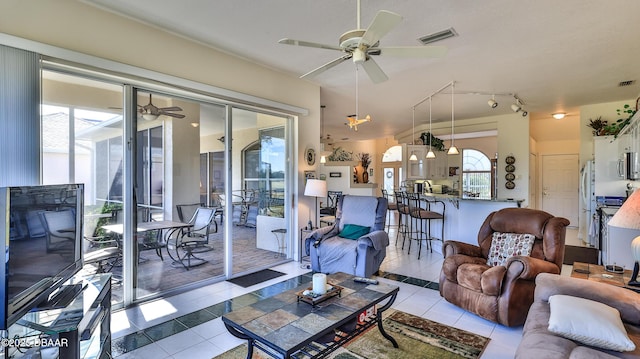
420, 215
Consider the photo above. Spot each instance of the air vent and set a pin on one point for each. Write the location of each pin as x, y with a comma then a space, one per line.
438, 36
626, 83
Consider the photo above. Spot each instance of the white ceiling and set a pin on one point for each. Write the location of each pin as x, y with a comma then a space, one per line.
555, 55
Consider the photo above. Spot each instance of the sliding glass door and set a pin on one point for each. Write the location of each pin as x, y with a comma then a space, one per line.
149, 160
82, 126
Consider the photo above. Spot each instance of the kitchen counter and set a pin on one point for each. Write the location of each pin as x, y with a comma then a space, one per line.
464, 216
454, 199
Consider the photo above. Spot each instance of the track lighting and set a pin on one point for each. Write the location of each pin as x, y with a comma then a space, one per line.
517, 107
492, 102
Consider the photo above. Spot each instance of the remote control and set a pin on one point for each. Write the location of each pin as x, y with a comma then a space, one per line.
365, 280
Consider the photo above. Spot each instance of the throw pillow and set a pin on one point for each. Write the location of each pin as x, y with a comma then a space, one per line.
353, 231
507, 245
588, 322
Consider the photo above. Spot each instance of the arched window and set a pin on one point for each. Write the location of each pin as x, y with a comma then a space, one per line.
477, 174
393, 154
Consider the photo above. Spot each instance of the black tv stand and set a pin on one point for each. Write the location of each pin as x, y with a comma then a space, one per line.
79, 326
62, 298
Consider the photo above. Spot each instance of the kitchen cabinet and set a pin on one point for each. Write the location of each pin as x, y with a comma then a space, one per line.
437, 168
414, 169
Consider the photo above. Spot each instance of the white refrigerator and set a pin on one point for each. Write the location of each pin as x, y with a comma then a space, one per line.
587, 231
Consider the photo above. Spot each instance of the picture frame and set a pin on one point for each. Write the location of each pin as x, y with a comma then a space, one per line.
309, 175
335, 174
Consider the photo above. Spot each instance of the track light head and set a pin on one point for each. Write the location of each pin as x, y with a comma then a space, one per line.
524, 113
492, 103
516, 108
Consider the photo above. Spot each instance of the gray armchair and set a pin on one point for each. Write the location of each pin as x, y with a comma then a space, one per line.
331, 253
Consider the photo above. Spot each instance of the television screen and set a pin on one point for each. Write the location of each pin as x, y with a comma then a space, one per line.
41, 236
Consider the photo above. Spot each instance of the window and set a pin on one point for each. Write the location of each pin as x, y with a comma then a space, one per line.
477, 174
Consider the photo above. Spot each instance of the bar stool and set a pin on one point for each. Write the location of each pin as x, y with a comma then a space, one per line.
403, 211
433, 210
391, 206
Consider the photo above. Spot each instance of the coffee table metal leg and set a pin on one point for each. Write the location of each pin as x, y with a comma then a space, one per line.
238, 334
380, 328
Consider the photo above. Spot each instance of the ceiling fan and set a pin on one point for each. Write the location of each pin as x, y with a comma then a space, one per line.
360, 44
150, 112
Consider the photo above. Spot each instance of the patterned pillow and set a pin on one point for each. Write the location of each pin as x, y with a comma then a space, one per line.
507, 245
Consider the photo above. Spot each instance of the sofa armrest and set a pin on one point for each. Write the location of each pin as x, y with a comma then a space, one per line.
450, 248
626, 301
376, 239
316, 236
530, 267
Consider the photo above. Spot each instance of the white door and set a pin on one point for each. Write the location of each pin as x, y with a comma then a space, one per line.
560, 186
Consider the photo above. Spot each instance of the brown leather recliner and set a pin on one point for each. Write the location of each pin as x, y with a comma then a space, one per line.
504, 293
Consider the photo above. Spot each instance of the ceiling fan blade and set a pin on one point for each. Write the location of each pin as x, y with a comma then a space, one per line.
380, 26
411, 51
326, 66
374, 71
175, 115
172, 108
294, 42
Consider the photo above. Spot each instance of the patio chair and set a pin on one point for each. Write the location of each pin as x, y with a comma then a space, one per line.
103, 252
186, 211
60, 229
195, 239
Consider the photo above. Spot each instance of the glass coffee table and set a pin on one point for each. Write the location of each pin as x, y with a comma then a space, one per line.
285, 327
598, 273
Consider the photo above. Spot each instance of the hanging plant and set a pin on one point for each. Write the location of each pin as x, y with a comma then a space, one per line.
436, 143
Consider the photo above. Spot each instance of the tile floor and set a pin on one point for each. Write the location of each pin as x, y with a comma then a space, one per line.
195, 316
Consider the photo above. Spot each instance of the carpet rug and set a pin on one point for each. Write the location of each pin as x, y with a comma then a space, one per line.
417, 338
255, 278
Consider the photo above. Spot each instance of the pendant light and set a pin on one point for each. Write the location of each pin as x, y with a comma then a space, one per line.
323, 157
430, 154
413, 156
453, 150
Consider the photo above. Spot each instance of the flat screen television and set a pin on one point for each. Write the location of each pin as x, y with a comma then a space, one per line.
41, 236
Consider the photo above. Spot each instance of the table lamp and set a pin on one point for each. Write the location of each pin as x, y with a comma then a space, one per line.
628, 216
315, 188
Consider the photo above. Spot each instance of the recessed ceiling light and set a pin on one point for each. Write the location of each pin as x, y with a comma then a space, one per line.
559, 115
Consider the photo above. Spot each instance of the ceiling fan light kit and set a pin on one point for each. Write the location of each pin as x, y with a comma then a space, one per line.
149, 112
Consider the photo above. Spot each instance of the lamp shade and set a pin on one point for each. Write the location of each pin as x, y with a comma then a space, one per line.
315, 188
628, 216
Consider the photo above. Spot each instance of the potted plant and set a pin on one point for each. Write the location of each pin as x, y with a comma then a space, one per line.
436, 143
603, 128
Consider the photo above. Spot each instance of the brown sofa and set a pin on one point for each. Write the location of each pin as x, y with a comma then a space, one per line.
537, 342
502, 293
